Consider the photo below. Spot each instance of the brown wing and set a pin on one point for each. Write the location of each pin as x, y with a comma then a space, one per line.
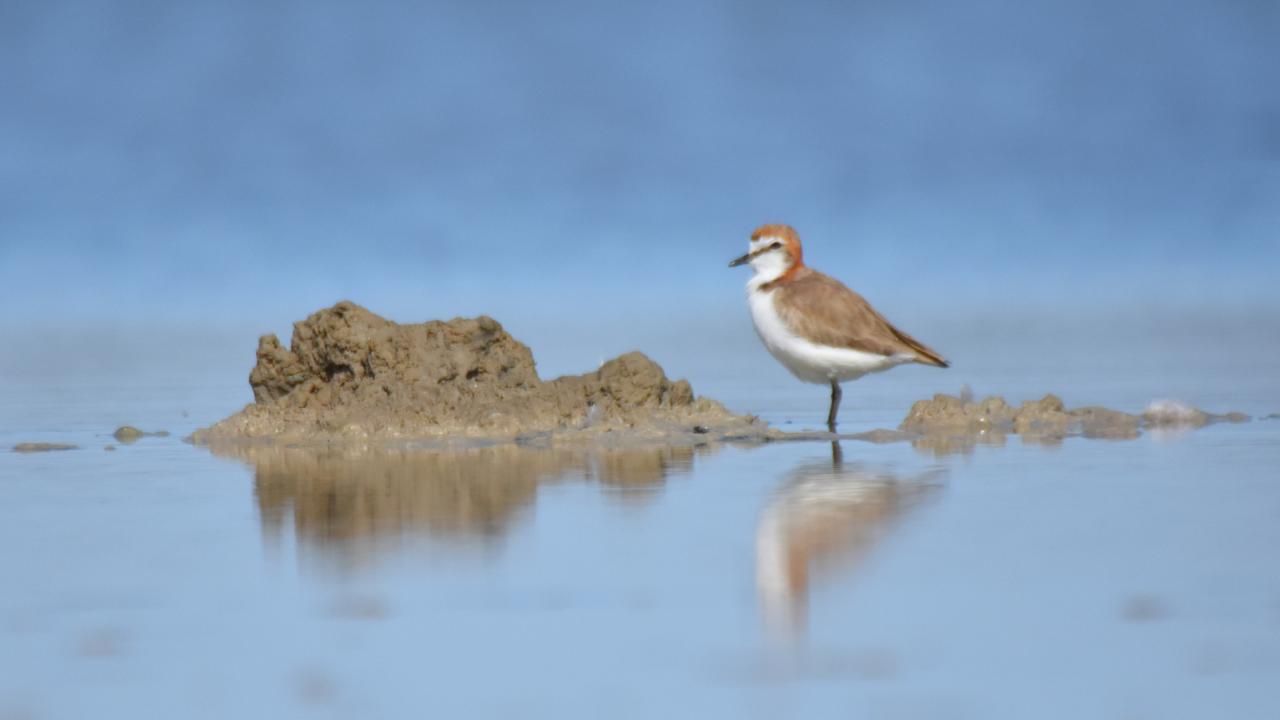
837, 316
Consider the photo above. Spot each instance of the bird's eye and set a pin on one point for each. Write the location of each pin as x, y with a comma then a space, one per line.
775, 246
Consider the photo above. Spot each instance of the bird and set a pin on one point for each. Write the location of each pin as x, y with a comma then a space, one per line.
820, 330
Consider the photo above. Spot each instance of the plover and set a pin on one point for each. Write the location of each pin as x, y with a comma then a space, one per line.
820, 330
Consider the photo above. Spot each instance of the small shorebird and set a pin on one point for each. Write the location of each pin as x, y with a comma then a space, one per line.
822, 331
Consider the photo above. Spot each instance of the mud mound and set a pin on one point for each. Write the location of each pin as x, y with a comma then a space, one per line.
352, 375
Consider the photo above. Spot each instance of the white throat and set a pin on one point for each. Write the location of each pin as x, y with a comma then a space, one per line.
768, 266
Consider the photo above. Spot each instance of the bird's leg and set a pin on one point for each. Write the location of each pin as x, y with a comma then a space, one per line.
835, 405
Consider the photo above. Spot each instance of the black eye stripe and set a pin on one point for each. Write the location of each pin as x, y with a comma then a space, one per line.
760, 251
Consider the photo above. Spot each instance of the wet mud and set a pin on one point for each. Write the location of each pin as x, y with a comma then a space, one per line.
35, 447
947, 424
128, 434
350, 375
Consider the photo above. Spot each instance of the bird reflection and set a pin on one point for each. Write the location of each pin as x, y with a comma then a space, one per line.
354, 507
826, 517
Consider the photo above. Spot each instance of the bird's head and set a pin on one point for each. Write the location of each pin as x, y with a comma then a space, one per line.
773, 251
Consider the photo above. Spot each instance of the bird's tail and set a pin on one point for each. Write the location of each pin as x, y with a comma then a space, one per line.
924, 354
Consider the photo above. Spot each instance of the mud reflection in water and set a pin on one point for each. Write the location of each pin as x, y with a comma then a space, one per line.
355, 507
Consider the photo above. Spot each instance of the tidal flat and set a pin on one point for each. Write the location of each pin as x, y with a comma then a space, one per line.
1008, 577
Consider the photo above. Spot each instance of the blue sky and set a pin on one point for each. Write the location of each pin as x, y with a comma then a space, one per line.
235, 165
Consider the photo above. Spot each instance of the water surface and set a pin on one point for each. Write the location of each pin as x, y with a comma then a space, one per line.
1088, 579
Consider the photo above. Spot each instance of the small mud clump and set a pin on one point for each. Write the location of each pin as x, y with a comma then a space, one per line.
35, 447
1045, 418
1171, 413
350, 375
129, 434
946, 424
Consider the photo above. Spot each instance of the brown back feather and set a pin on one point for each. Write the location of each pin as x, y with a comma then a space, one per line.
837, 316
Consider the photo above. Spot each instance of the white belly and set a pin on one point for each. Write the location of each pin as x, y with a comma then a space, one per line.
805, 359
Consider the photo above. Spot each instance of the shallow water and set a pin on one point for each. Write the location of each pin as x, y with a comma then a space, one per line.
1093, 578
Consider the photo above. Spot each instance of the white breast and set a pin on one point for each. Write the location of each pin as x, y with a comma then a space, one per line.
805, 359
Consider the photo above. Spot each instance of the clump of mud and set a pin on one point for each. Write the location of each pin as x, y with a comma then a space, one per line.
350, 375
1171, 413
946, 423
129, 434
1046, 417
35, 447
